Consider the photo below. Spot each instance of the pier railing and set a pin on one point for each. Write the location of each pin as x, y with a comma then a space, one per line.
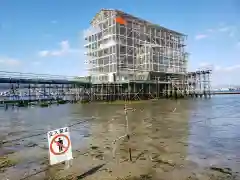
33, 76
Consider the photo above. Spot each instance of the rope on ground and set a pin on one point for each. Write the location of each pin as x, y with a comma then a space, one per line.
39, 134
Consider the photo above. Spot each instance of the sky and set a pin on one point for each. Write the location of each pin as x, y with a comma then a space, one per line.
42, 36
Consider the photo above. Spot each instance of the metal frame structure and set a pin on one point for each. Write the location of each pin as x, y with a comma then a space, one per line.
200, 82
7, 77
33, 87
132, 55
133, 50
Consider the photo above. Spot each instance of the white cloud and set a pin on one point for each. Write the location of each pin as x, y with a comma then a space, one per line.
36, 63
89, 31
54, 22
231, 68
221, 75
200, 36
205, 64
238, 44
218, 68
210, 30
5, 61
43, 53
232, 34
224, 29
230, 30
64, 49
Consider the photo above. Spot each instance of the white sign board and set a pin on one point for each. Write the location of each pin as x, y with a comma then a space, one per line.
60, 148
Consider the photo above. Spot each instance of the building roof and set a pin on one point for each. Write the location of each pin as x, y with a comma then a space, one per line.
137, 18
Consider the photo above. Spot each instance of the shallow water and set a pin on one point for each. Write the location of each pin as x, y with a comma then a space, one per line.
207, 130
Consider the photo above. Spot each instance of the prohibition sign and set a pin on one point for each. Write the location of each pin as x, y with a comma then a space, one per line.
54, 141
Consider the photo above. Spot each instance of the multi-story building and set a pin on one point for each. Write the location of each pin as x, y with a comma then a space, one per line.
121, 47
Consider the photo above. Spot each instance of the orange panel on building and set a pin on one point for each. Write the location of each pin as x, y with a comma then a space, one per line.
120, 20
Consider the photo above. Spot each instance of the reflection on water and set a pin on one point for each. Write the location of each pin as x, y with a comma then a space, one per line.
214, 132
204, 131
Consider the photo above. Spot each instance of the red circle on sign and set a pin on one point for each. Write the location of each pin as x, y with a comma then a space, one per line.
53, 141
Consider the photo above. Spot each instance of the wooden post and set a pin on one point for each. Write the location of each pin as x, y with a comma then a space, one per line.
127, 132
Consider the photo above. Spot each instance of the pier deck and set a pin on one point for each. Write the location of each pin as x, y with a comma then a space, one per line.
30, 85
31, 78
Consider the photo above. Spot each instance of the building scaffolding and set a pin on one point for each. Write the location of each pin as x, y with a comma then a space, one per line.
199, 82
126, 54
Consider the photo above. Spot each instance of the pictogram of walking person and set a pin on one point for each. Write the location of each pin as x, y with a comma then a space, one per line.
60, 144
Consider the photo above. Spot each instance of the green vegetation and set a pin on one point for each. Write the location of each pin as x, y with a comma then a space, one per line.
44, 104
22, 104
84, 101
5, 162
61, 102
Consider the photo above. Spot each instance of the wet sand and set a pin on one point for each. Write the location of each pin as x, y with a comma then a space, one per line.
163, 142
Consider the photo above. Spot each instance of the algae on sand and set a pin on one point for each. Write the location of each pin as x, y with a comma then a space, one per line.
5, 162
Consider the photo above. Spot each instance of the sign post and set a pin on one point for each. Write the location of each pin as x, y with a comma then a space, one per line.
60, 148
